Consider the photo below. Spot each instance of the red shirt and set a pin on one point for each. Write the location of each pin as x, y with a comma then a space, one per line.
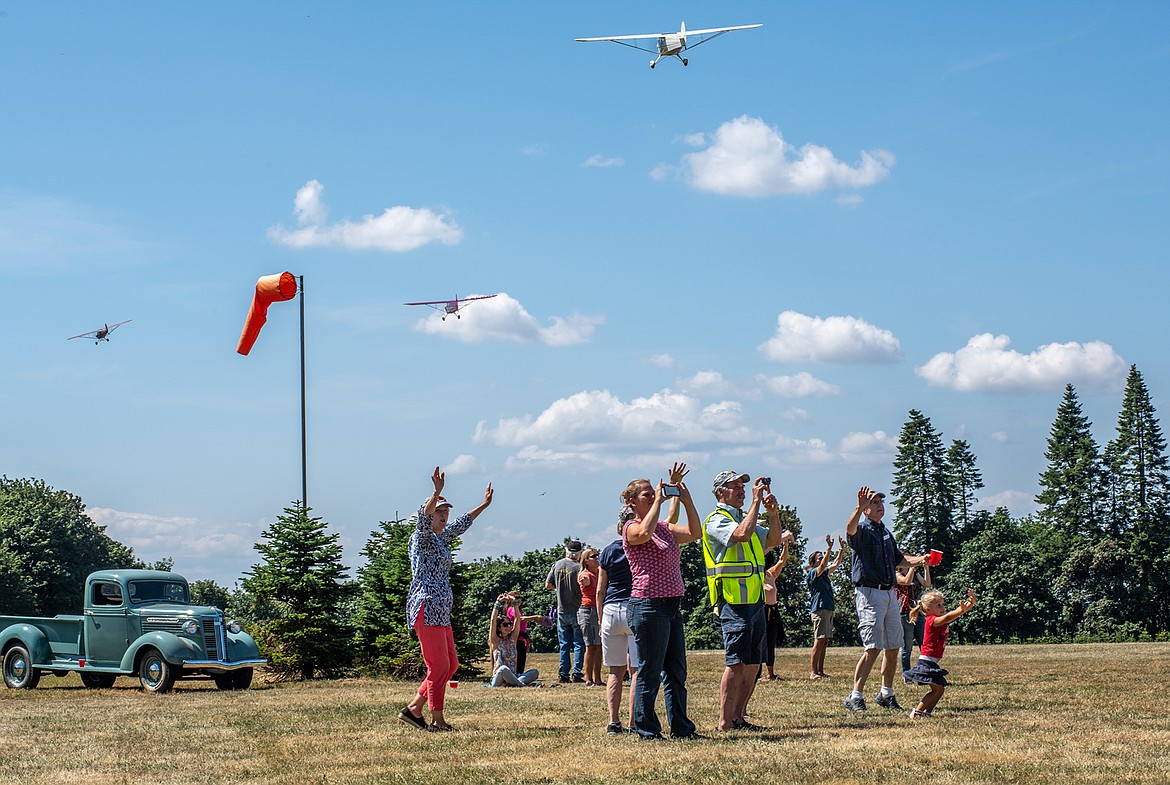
934, 639
588, 589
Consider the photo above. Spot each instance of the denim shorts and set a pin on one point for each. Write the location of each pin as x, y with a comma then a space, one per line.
587, 621
744, 633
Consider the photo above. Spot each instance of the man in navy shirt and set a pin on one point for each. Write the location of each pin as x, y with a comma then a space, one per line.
876, 558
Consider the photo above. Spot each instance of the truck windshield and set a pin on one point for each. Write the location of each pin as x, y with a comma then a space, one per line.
149, 591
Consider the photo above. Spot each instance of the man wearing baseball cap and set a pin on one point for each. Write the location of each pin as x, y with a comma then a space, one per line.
876, 558
562, 579
734, 545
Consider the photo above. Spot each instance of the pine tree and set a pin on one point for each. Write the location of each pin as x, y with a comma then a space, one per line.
1141, 481
1073, 499
304, 583
963, 480
920, 489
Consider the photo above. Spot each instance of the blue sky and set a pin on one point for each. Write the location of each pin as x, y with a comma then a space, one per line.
760, 262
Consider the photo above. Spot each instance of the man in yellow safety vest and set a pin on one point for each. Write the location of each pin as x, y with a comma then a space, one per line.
734, 545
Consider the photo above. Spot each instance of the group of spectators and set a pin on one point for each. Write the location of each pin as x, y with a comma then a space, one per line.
637, 581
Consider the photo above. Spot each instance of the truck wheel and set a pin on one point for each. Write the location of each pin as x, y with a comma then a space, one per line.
234, 680
98, 681
155, 673
19, 673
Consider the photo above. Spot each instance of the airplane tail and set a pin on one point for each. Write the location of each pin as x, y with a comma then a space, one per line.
682, 33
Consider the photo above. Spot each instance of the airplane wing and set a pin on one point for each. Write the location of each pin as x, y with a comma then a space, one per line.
89, 334
430, 302
722, 29
622, 37
481, 297
119, 324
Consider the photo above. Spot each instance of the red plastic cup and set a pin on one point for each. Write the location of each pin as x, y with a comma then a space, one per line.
452, 684
935, 558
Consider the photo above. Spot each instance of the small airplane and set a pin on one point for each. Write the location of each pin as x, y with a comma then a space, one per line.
452, 306
100, 334
671, 44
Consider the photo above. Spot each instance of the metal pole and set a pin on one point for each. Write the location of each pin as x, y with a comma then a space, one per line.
304, 447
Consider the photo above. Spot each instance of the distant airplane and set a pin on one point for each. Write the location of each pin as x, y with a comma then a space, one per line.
451, 306
671, 44
100, 334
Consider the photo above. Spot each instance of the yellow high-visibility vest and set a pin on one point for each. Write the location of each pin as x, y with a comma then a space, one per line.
737, 578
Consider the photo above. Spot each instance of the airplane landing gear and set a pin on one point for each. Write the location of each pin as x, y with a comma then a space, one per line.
684, 61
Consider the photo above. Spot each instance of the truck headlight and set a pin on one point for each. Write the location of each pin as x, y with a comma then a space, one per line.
234, 627
191, 627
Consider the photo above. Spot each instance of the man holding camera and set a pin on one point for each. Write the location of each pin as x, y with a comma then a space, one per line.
734, 545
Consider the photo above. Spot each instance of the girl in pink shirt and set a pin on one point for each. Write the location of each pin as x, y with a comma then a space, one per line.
934, 640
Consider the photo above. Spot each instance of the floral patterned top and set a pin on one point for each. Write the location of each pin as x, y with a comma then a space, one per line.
430, 562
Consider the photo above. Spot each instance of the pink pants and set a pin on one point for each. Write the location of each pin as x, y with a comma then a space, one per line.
438, 650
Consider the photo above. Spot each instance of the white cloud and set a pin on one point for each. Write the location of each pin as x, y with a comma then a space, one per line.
601, 161
697, 139
397, 229
876, 447
706, 383
747, 157
796, 414
800, 385
1001, 437
534, 149
1017, 502
662, 360
463, 464
504, 318
836, 339
986, 364
661, 172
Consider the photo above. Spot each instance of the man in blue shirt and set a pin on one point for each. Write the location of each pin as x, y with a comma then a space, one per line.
822, 605
876, 558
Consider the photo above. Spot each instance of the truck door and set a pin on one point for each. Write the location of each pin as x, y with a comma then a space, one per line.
106, 624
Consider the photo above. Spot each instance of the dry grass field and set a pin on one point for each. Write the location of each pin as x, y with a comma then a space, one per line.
1015, 714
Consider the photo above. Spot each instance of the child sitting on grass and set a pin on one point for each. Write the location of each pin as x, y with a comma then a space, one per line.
934, 639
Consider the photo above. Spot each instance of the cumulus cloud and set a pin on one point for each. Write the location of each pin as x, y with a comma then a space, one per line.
463, 464
836, 339
503, 318
397, 229
1017, 502
662, 360
601, 161
796, 414
987, 364
706, 383
534, 149
800, 385
747, 157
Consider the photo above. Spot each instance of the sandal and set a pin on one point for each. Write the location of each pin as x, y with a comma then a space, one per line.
439, 728
410, 719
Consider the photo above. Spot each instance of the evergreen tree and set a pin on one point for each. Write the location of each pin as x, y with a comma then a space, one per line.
1099, 592
1141, 477
303, 580
1072, 499
963, 480
920, 489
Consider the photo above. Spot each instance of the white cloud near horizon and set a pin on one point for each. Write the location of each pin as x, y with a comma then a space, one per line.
462, 464
662, 360
504, 318
396, 230
600, 161
800, 385
987, 364
194, 544
835, 339
748, 157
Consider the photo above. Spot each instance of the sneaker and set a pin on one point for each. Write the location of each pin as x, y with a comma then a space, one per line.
563, 680
745, 725
855, 704
915, 714
887, 703
410, 719
614, 729
578, 679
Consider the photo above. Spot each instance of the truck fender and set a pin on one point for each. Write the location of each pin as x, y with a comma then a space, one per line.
241, 646
174, 649
31, 638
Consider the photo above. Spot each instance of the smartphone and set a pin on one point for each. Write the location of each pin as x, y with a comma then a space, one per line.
670, 490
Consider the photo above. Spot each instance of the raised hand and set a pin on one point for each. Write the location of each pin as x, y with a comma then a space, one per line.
677, 472
487, 494
438, 479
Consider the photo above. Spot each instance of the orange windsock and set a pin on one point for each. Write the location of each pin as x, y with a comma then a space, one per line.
269, 289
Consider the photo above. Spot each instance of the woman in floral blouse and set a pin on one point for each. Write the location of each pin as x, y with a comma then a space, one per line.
428, 605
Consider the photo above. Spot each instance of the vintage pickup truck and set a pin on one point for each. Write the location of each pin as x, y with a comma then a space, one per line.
134, 622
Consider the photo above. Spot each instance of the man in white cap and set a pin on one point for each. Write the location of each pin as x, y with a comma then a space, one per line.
734, 545
562, 579
876, 558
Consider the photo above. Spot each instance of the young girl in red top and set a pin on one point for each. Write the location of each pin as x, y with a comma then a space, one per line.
934, 639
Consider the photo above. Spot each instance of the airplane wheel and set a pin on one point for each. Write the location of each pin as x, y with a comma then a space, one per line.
684, 61
651, 66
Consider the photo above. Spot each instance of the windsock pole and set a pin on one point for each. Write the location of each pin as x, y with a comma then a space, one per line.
304, 442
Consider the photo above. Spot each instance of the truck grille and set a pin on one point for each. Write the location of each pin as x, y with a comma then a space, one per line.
160, 624
213, 637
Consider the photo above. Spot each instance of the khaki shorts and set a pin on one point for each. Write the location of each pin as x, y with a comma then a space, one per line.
822, 622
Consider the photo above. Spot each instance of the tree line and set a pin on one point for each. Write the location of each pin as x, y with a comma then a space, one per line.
1093, 563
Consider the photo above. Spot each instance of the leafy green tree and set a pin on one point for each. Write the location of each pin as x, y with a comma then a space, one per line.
963, 480
844, 599
1100, 592
920, 489
1141, 477
1015, 598
1072, 499
51, 546
302, 578
208, 592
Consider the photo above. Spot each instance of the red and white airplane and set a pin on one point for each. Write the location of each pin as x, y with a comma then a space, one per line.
451, 306
100, 334
671, 44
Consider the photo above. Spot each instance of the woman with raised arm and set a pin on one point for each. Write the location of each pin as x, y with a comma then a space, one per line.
428, 604
503, 634
655, 606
